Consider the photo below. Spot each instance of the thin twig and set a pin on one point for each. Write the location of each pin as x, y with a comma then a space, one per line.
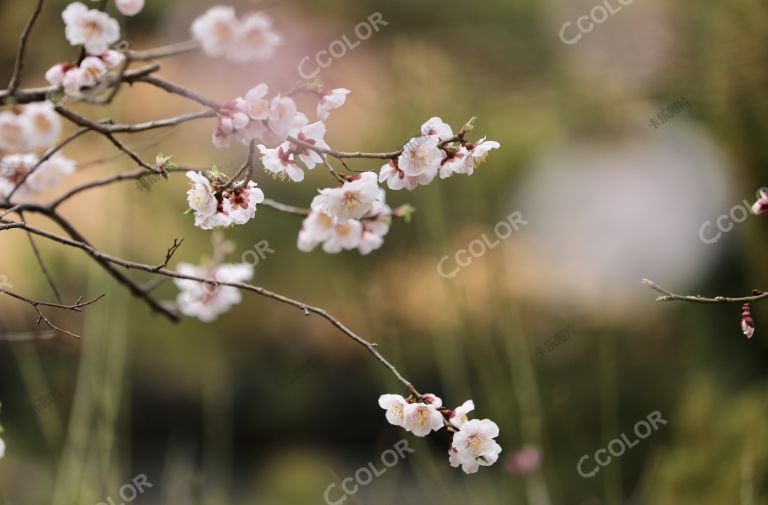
163, 52
18, 66
670, 296
40, 262
36, 304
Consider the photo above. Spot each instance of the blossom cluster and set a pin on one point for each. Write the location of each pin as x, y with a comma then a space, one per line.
91, 71
221, 33
472, 445
351, 216
218, 203
436, 151
207, 301
22, 134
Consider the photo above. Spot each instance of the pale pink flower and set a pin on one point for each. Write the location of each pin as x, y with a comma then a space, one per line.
476, 154
311, 134
55, 74
437, 128
129, 7
14, 167
761, 205
216, 30
256, 106
93, 69
454, 162
282, 113
526, 460
113, 59
204, 301
375, 226
254, 39
281, 162
331, 100
74, 79
747, 323
91, 28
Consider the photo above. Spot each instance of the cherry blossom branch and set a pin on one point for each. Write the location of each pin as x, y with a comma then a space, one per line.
340, 154
180, 90
670, 296
306, 308
30, 95
19, 63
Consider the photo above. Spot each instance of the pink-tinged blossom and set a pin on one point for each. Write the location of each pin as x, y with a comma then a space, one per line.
761, 205
129, 7
350, 201
435, 127
204, 301
395, 407
280, 162
91, 28
221, 33
232, 121
2, 448
93, 70
15, 167
282, 113
217, 208
256, 105
454, 162
474, 446
113, 59
421, 157
423, 418
311, 134
397, 179
476, 154
254, 39
240, 204
74, 79
375, 227
55, 74
331, 100
216, 30
524, 461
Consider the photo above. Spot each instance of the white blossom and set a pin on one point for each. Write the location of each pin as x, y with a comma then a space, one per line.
43, 125
2, 448
476, 154
375, 227
474, 446
344, 236
423, 418
129, 7
256, 105
92, 28
113, 59
235, 205
395, 407
350, 201
421, 157
315, 229
331, 100
204, 301
15, 167
55, 74
459, 416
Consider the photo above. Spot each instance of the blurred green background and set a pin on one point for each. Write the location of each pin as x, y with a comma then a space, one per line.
265, 406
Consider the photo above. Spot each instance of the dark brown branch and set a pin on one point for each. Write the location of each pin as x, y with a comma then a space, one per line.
305, 308
18, 66
40, 262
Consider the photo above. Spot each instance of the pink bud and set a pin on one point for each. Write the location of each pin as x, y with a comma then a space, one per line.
129, 7
55, 74
761, 205
747, 323
112, 58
